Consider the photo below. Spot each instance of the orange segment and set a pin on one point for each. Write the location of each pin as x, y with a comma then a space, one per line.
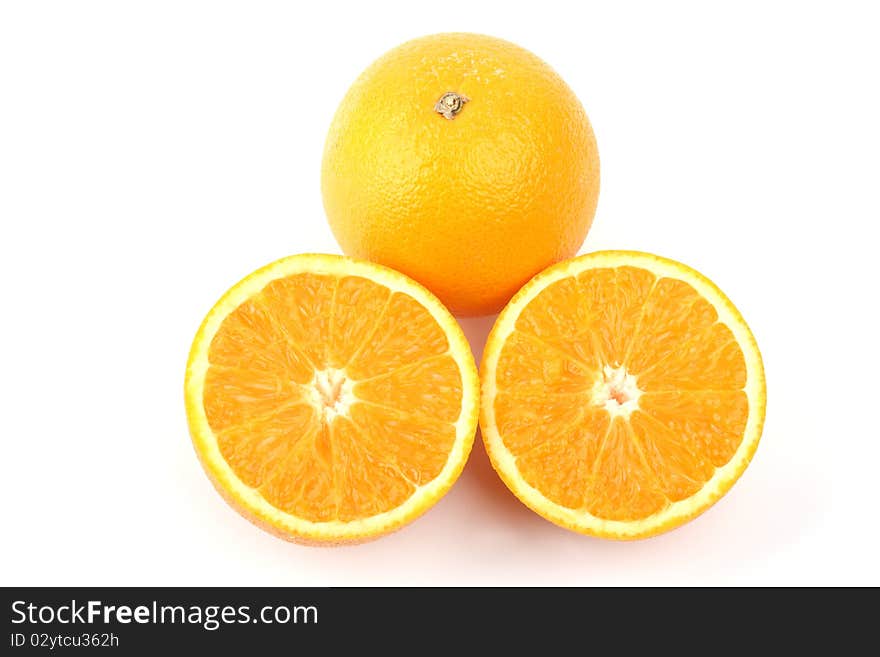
678, 463
367, 483
617, 297
623, 486
330, 399
567, 459
430, 387
711, 423
530, 363
359, 302
672, 317
415, 445
257, 450
551, 316
303, 484
528, 420
711, 360
301, 306
392, 345
622, 394
254, 393
251, 340
700, 352
592, 318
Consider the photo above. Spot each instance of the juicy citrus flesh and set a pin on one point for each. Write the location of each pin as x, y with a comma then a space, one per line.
470, 207
331, 399
623, 394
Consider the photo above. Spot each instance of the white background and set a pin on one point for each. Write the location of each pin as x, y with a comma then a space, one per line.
152, 153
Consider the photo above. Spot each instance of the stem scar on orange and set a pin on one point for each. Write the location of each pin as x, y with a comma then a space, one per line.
331, 400
465, 162
623, 394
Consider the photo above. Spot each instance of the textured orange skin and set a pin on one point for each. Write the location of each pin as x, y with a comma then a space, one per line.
471, 207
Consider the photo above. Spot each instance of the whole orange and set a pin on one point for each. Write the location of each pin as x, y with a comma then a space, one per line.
465, 162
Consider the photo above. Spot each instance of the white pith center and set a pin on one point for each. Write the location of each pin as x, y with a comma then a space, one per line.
617, 391
332, 392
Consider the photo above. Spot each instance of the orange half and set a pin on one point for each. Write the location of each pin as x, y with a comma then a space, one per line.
622, 394
331, 400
